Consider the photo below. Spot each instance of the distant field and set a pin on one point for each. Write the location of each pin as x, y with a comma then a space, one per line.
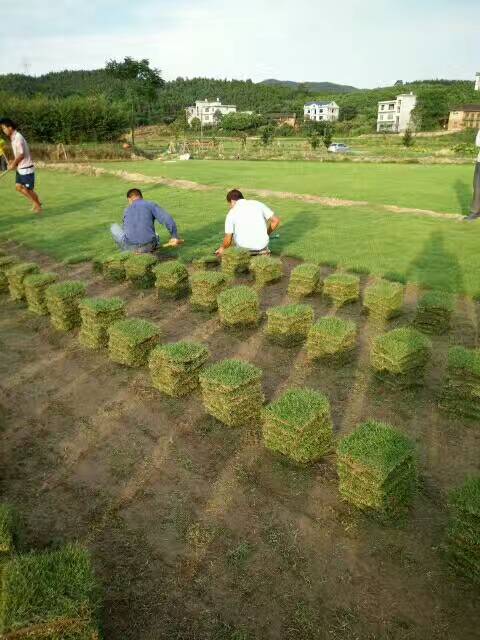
444, 188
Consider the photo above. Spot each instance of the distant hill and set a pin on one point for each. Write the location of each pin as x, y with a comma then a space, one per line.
314, 87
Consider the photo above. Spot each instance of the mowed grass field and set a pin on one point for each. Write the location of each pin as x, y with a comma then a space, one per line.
445, 188
78, 211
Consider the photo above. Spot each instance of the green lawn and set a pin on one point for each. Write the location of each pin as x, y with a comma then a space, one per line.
79, 209
445, 188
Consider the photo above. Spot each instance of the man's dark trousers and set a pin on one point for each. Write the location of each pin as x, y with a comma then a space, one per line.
476, 191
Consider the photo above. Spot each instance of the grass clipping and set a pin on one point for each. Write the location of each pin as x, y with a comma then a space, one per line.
35, 287
463, 533
16, 274
342, 288
399, 356
304, 281
377, 469
384, 299
461, 391
63, 301
6, 262
52, 595
289, 325
97, 315
175, 367
131, 340
232, 392
331, 338
139, 270
171, 279
235, 261
434, 312
239, 307
205, 288
299, 425
266, 269
113, 267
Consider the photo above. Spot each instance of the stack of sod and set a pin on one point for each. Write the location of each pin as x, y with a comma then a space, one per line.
171, 279
175, 367
35, 287
205, 289
377, 469
97, 315
5, 263
232, 392
383, 299
304, 280
289, 325
238, 306
52, 595
463, 533
299, 425
399, 356
139, 269
16, 274
97, 264
342, 288
63, 304
461, 392
131, 340
235, 261
113, 267
434, 312
331, 338
7, 530
203, 263
266, 269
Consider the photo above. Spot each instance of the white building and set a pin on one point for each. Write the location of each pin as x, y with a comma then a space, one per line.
477, 81
396, 115
205, 111
321, 111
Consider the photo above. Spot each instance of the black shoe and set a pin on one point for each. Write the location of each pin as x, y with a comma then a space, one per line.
472, 217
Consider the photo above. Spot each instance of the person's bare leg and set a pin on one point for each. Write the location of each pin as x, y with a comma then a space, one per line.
32, 196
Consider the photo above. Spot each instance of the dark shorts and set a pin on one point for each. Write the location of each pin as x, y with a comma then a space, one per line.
27, 181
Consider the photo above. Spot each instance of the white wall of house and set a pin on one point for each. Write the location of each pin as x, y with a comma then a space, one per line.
318, 111
396, 115
477, 81
205, 111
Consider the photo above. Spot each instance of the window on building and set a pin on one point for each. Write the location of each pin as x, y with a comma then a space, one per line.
390, 116
391, 107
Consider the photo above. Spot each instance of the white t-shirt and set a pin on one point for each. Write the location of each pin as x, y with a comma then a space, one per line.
247, 221
20, 147
477, 142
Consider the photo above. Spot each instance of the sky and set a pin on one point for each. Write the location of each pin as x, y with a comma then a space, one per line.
365, 43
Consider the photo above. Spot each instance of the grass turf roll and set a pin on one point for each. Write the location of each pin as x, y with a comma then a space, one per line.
238, 306
97, 314
232, 392
299, 425
288, 325
62, 301
206, 262
377, 469
16, 274
131, 340
331, 338
384, 299
35, 287
399, 356
463, 532
461, 391
139, 270
205, 287
434, 312
175, 367
113, 267
342, 288
266, 269
235, 261
5, 263
171, 279
304, 281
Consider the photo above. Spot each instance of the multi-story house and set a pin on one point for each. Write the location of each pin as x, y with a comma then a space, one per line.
396, 115
466, 116
321, 111
207, 111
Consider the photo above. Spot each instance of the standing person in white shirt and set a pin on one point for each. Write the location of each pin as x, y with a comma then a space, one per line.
248, 224
475, 212
22, 163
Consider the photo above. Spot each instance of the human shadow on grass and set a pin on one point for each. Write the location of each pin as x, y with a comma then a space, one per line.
464, 196
435, 267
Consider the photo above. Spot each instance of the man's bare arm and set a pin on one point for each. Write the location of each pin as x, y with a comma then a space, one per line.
227, 242
274, 223
13, 164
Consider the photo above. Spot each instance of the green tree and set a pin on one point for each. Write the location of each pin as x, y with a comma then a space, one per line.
314, 140
267, 134
195, 124
407, 138
327, 136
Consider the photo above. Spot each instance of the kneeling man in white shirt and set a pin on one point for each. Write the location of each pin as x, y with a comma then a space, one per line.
248, 224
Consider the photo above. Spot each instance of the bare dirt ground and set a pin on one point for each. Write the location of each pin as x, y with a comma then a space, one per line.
196, 531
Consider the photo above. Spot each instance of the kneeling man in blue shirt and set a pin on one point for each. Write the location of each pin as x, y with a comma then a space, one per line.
138, 231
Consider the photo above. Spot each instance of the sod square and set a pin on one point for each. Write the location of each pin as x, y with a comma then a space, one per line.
232, 392
51, 595
205, 287
299, 425
63, 299
97, 314
131, 340
461, 390
113, 267
377, 469
139, 269
289, 325
434, 312
5, 263
175, 367
266, 269
171, 279
239, 306
35, 286
399, 356
97, 264
235, 261
331, 338
7, 529
16, 274
463, 532
304, 281
204, 263
342, 288
384, 299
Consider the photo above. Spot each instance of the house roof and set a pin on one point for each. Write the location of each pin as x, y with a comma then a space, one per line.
321, 104
467, 107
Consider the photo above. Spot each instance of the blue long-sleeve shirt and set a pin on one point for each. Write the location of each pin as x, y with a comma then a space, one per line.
139, 221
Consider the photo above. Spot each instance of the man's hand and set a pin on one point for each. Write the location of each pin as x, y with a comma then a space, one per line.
220, 251
11, 165
174, 242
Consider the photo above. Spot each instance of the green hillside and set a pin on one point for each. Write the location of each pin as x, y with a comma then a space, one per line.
314, 87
